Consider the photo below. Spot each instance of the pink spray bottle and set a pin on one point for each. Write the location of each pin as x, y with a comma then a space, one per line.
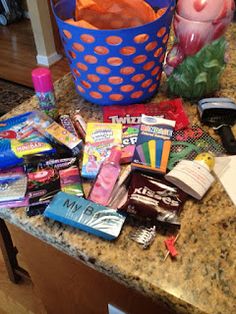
106, 178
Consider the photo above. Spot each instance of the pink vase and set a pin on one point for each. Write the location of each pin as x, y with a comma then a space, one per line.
197, 23
197, 59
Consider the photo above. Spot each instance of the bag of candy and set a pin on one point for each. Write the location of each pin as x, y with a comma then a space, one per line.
18, 139
154, 198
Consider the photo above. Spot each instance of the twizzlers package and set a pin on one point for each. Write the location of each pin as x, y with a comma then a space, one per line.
154, 198
131, 114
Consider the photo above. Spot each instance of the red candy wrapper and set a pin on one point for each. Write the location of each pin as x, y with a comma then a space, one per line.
131, 114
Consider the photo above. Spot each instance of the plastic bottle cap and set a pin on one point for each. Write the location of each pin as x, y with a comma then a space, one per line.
207, 159
115, 155
42, 80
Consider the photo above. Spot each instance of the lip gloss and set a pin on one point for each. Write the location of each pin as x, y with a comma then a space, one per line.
106, 178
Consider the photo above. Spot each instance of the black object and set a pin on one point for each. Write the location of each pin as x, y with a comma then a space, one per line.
10, 11
220, 113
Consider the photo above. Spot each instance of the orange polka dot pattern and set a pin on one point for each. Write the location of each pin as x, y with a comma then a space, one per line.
117, 67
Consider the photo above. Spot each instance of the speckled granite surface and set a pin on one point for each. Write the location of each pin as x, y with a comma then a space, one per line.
203, 279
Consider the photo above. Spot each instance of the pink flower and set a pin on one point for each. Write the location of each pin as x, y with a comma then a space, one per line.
219, 30
191, 35
191, 42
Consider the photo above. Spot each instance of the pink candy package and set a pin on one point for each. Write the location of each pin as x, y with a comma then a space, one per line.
129, 139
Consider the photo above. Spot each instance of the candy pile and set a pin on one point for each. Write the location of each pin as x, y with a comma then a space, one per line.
142, 161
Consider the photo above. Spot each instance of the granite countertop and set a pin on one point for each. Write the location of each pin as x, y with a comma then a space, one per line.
203, 278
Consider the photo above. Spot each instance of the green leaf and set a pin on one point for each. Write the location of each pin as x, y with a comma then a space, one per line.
199, 75
199, 89
201, 78
211, 64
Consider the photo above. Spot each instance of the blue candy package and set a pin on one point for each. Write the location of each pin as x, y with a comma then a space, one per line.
18, 138
85, 215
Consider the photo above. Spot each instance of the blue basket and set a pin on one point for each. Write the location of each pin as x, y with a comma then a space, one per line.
121, 66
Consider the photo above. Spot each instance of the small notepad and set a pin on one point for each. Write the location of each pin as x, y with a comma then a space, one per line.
225, 169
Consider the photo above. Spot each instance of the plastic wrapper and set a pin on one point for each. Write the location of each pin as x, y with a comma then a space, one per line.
18, 139
55, 132
14, 204
120, 193
154, 198
79, 124
171, 109
188, 143
67, 124
129, 139
13, 184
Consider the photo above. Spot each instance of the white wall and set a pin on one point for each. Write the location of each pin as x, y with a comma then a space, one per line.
43, 32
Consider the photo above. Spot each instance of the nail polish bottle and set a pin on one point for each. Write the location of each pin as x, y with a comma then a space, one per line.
106, 178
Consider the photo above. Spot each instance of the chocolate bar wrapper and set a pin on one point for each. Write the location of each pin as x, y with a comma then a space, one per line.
120, 192
154, 198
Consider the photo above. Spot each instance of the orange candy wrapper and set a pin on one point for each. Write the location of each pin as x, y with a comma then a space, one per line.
112, 14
